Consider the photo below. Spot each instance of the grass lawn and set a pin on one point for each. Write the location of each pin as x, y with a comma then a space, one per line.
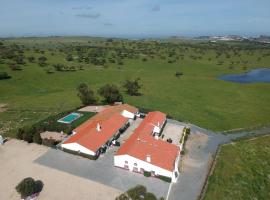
197, 96
242, 171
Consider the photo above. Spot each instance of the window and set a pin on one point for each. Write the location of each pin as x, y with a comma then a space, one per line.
135, 164
135, 169
126, 162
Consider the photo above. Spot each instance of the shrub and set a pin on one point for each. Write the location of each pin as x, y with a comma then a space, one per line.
165, 178
49, 70
28, 134
147, 174
36, 138
177, 74
137, 192
49, 142
169, 140
69, 57
187, 131
15, 67
123, 196
20, 133
27, 187
4, 75
150, 196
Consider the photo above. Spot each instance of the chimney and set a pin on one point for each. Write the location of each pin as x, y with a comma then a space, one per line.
148, 158
98, 127
158, 124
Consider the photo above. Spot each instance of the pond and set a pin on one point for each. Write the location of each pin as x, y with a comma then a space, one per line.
261, 75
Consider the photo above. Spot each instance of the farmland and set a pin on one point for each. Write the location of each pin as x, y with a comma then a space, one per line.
38, 88
242, 171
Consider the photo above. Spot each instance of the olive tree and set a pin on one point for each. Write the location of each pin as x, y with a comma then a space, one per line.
85, 94
110, 93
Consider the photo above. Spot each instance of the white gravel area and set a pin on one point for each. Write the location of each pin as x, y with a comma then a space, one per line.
93, 108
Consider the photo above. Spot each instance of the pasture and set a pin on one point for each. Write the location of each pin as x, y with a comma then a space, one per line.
34, 92
242, 171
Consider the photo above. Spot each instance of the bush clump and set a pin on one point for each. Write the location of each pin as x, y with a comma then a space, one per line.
147, 174
4, 75
164, 178
28, 187
138, 192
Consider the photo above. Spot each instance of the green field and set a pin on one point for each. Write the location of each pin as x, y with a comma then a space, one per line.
242, 171
197, 96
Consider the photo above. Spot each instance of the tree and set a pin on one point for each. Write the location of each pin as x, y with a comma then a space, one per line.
42, 61
85, 94
123, 196
138, 192
26, 187
150, 196
69, 57
133, 87
31, 59
110, 93
4, 75
178, 74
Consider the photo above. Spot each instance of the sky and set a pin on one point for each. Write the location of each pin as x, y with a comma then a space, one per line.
134, 18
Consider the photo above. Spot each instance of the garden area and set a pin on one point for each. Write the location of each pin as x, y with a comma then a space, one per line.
32, 133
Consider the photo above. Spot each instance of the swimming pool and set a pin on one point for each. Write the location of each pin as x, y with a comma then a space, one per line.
69, 118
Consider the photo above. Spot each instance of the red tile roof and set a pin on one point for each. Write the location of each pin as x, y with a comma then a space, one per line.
110, 121
142, 144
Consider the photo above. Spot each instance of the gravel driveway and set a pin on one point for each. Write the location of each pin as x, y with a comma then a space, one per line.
101, 171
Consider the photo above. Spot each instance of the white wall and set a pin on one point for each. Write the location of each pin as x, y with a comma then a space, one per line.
78, 147
119, 161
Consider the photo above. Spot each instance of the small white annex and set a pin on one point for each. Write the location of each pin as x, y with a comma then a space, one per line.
78, 148
1, 140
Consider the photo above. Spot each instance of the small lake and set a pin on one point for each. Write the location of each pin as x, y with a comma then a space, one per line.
261, 75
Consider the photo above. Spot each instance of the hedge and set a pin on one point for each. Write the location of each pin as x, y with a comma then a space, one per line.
164, 178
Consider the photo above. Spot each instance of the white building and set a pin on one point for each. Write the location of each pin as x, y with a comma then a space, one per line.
94, 135
143, 151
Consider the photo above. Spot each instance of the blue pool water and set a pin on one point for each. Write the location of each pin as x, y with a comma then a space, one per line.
254, 76
69, 118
